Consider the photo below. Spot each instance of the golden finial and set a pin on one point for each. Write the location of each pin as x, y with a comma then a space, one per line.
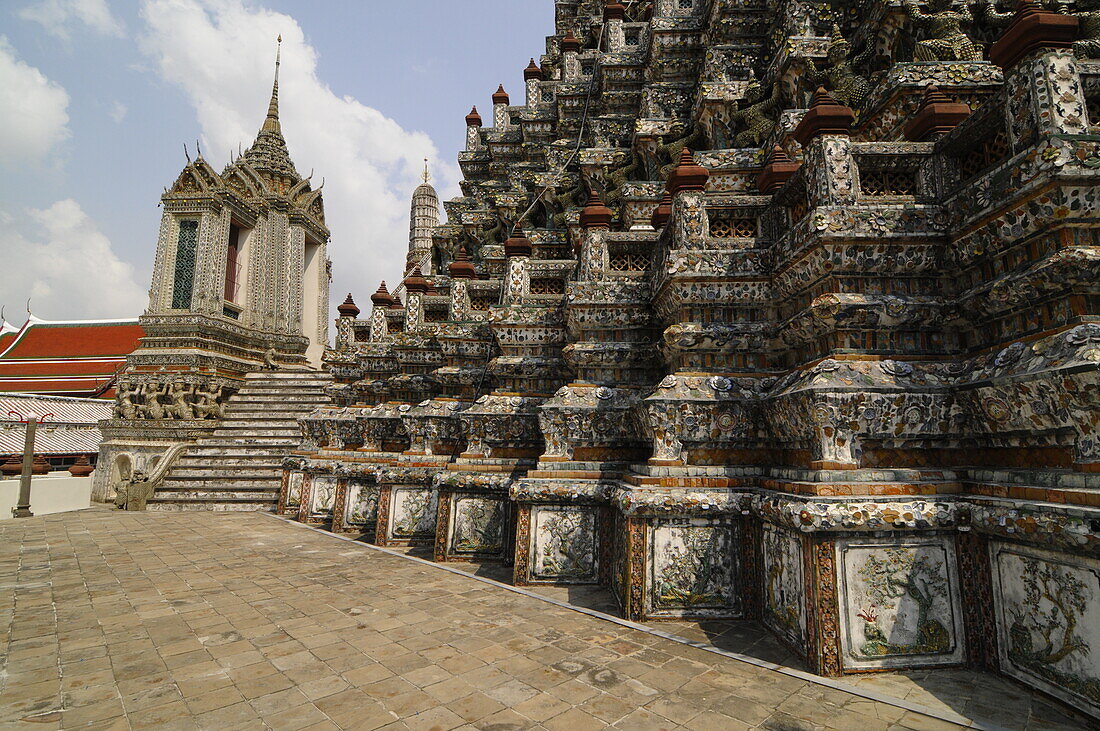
427, 175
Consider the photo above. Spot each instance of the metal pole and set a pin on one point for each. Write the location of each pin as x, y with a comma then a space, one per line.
23, 509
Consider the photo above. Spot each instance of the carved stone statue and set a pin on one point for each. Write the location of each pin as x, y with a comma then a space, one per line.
845, 84
209, 404
755, 116
152, 408
946, 40
125, 407
181, 408
617, 178
133, 492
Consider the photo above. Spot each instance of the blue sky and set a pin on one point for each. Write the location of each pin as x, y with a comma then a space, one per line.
98, 97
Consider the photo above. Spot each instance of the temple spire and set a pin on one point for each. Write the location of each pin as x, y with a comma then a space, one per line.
269, 153
271, 123
427, 175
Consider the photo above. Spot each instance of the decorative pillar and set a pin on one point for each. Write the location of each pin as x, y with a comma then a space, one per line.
1044, 92
500, 108
570, 57
822, 605
381, 300
976, 584
415, 288
777, 171
824, 135
517, 280
345, 332
937, 116
595, 221
532, 75
685, 185
473, 130
614, 13
460, 270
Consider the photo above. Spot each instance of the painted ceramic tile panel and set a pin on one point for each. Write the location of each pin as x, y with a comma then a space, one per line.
899, 603
564, 543
362, 503
322, 495
784, 586
413, 512
1048, 621
478, 524
692, 567
294, 489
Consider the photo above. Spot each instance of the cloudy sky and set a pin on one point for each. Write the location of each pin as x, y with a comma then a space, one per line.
98, 97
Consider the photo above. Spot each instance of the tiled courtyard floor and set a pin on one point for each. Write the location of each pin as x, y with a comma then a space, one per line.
206, 620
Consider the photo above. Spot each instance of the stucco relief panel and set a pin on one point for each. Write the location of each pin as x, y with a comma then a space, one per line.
1048, 621
899, 603
564, 544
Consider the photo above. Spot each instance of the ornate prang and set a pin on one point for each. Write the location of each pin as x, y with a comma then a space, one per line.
852, 356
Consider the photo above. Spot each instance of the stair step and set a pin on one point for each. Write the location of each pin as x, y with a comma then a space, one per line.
244, 472
239, 467
289, 399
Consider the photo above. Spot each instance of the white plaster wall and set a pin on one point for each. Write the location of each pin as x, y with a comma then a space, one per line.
57, 492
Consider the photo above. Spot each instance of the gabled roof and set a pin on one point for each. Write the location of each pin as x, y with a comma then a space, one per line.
75, 358
7, 334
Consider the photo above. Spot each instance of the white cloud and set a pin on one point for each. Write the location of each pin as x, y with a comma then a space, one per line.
221, 53
118, 111
65, 265
58, 17
33, 110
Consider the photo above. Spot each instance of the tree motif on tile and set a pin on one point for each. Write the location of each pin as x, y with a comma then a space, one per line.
1044, 629
903, 573
479, 525
695, 572
569, 545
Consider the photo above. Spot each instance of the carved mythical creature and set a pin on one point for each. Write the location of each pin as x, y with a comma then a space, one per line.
269, 360
755, 116
946, 40
152, 407
1088, 15
846, 85
669, 153
502, 229
574, 196
617, 178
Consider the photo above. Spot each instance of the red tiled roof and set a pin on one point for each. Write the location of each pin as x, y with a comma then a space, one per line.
78, 358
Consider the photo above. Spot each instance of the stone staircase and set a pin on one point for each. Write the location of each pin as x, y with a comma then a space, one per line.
239, 467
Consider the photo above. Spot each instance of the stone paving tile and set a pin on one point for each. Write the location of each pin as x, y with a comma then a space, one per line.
218, 621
